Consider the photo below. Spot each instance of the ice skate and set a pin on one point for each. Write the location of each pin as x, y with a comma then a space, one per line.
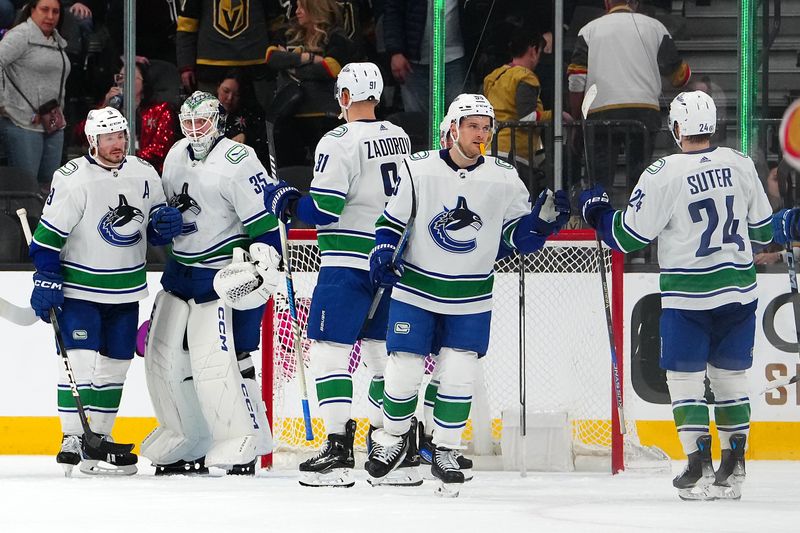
426, 456
731, 472
387, 452
444, 467
70, 454
333, 465
407, 473
183, 468
96, 462
695, 481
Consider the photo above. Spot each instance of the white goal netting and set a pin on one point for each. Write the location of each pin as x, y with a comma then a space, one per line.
567, 355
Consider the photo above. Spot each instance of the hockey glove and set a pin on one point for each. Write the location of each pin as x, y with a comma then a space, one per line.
594, 204
281, 199
382, 271
786, 226
167, 222
47, 292
250, 280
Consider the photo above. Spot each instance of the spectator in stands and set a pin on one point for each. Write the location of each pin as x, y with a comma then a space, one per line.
35, 68
243, 120
307, 61
624, 54
514, 91
156, 122
212, 37
407, 34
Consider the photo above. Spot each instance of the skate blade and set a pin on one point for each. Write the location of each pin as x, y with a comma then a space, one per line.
401, 477
67, 469
94, 467
338, 477
448, 490
696, 494
468, 475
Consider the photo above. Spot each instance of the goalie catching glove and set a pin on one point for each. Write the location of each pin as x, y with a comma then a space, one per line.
249, 281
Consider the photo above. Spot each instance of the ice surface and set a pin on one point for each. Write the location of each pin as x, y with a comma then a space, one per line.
35, 496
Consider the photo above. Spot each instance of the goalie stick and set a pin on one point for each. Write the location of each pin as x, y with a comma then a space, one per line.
90, 438
588, 98
287, 270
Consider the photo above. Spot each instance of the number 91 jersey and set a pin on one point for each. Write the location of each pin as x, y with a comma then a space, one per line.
705, 207
355, 172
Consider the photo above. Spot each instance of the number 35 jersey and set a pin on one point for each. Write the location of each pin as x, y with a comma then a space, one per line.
355, 172
705, 207
221, 200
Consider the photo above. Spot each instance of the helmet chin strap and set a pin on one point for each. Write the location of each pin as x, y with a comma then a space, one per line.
457, 146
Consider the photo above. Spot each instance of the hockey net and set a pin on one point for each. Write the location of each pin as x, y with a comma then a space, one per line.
567, 355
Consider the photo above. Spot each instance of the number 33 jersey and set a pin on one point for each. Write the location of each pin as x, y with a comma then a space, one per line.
705, 207
355, 172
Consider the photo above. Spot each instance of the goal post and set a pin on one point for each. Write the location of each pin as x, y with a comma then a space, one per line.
568, 360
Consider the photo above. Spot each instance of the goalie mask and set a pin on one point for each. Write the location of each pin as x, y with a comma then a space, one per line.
695, 114
101, 121
199, 118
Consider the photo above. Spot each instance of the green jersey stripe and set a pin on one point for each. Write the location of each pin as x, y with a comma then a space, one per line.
349, 243
707, 282
761, 235
262, 225
447, 288
227, 249
116, 280
328, 203
627, 241
48, 238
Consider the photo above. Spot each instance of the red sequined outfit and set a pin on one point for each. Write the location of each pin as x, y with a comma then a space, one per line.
157, 128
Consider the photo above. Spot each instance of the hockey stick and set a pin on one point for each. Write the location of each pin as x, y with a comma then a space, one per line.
287, 270
588, 98
398, 252
93, 440
523, 409
21, 316
792, 270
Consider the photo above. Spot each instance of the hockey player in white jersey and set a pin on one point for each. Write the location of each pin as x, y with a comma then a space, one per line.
89, 253
355, 173
705, 206
447, 216
199, 371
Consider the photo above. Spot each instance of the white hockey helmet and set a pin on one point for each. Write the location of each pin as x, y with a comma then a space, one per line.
362, 80
100, 121
790, 135
466, 105
694, 112
444, 131
199, 118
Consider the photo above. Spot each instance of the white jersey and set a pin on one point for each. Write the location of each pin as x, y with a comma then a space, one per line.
221, 199
354, 175
461, 216
705, 207
96, 219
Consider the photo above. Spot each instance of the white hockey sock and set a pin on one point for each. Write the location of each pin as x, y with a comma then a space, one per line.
374, 356
731, 403
82, 362
107, 382
689, 407
431, 390
329, 362
403, 377
454, 397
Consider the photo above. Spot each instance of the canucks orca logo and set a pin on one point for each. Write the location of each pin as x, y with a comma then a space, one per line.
183, 202
455, 229
118, 220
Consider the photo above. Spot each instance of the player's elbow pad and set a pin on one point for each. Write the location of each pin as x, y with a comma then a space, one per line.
307, 211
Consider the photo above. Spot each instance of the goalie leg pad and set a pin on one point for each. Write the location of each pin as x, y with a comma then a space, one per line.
107, 382
221, 391
404, 373
329, 363
82, 362
454, 397
182, 433
689, 407
264, 437
374, 356
731, 403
